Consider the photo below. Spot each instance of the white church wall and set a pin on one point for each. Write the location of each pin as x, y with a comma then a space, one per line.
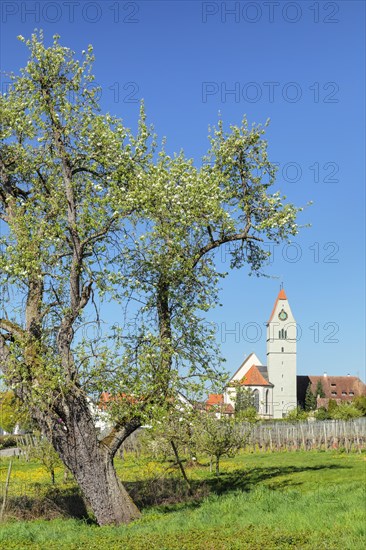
265, 405
281, 358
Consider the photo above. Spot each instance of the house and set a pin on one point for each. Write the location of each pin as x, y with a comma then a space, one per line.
216, 402
340, 388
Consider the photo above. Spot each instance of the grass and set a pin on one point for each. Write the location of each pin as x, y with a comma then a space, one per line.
310, 500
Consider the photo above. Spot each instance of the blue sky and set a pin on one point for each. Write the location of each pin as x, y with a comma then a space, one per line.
301, 64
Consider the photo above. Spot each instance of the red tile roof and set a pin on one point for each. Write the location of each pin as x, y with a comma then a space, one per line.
106, 397
339, 387
215, 399
254, 378
281, 296
228, 409
245, 360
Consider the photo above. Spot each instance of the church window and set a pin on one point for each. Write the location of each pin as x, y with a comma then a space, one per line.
344, 393
282, 349
282, 334
256, 399
266, 402
352, 393
334, 393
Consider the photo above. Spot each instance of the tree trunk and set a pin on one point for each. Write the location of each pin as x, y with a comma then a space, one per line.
180, 464
66, 420
104, 491
91, 463
217, 469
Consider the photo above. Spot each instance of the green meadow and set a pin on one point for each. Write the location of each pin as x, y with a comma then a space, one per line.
309, 500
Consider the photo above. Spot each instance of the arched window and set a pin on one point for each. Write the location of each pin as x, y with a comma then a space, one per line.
267, 402
256, 400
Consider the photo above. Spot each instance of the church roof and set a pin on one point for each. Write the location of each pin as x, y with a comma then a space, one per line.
254, 378
281, 296
264, 371
253, 356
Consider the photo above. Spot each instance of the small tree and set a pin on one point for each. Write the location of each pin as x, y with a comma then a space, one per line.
12, 413
245, 410
310, 399
332, 406
171, 437
218, 437
319, 391
44, 451
243, 400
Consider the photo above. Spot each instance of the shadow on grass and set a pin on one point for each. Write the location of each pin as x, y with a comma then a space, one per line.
53, 503
171, 494
246, 480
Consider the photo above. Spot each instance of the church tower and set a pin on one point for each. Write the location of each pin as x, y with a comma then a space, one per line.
281, 356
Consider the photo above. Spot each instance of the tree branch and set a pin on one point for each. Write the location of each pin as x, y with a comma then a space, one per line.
119, 434
87, 170
12, 328
243, 236
95, 236
4, 354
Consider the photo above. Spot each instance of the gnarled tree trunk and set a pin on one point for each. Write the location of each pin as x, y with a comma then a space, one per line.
91, 461
104, 491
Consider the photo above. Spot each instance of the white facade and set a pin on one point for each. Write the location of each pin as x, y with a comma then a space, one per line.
261, 388
281, 356
274, 385
230, 393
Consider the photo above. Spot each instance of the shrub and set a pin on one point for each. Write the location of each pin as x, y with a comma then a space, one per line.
332, 406
322, 414
360, 404
247, 415
296, 415
346, 411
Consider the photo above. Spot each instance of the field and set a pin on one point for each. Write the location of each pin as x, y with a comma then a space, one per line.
281, 500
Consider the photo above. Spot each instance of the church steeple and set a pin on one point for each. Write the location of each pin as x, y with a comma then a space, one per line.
281, 296
281, 355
